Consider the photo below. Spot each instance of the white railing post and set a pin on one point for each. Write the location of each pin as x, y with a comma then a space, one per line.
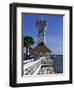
31, 67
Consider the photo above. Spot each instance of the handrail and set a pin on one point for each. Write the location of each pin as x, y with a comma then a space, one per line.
28, 61
31, 67
30, 64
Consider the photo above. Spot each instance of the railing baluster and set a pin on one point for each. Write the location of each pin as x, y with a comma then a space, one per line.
31, 67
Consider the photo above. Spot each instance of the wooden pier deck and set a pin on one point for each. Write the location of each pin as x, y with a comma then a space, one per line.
47, 70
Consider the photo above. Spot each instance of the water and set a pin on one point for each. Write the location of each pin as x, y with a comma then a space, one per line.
58, 63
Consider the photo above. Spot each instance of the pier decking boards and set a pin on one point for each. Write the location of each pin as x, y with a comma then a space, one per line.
47, 70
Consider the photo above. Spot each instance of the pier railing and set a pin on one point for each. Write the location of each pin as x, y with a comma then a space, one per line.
28, 61
31, 67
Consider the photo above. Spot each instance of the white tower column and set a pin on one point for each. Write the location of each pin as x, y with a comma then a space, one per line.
41, 26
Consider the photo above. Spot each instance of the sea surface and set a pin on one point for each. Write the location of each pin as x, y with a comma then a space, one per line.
58, 63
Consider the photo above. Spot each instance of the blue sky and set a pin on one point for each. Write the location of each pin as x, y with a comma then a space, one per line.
54, 33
